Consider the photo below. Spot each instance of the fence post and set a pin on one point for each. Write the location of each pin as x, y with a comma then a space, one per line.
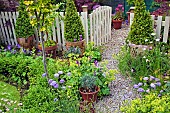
85, 8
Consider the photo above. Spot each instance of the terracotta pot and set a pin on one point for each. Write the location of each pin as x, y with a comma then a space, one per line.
117, 24
89, 96
49, 50
26, 43
80, 44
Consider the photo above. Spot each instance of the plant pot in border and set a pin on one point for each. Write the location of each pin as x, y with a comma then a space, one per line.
89, 96
80, 44
26, 43
117, 24
51, 50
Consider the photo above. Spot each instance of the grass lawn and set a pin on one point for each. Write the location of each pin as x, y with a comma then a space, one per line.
9, 96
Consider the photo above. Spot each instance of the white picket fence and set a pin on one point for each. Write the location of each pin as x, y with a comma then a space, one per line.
159, 24
100, 27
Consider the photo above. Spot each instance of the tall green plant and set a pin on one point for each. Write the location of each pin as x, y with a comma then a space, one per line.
141, 28
72, 24
23, 28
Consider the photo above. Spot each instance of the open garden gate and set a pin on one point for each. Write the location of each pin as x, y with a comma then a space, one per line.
100, 25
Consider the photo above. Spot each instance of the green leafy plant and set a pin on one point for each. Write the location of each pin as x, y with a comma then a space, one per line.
73, 27
49, 43
88, 83
72, 50
23, 28
141, 28
150, 103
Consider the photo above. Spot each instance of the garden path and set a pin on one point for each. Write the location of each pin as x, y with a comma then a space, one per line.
121, 88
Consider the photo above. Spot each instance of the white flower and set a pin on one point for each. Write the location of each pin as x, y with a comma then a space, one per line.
157, 39
147, 60
144, 56
60, 72
144, 48
153, 85
146, 78
146, 40
56, 75
151, 42
148, 90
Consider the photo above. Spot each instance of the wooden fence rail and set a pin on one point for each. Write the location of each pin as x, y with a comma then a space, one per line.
158, 25
99, 30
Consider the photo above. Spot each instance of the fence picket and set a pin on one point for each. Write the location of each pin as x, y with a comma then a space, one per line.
58, 33
3, 31
158, 27
166, 29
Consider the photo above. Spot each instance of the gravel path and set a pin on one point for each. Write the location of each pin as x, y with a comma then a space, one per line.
121, 88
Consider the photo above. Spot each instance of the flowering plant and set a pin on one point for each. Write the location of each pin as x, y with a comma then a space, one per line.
119, 12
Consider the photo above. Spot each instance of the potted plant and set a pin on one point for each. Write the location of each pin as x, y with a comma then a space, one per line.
141, 34
50, 48
117, 18
23, 29
74, 32
88, 88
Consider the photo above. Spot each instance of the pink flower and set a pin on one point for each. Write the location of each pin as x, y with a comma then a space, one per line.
117, 9
120, 5
122, 8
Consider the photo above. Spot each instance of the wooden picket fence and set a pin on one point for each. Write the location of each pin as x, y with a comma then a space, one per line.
100, 27
158, 25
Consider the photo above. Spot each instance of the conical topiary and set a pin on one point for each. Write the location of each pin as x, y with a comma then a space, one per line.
141, 28
23, 28
73, 27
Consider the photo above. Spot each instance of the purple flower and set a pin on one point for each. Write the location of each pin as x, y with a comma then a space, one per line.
126, 22
135, 86
95, 7
146, 78
152, 78
161, 91
50, 81
56, 85
62, 81
117, 9
60, 72
153, 85
56, 75
75, 39
159, 95
157, 79
96, 63
140, 84
141, 90
44, 74
9, 47
18, 46
24, 50
53, 83
81, 37
77, 62
55, 99
69, 73
148, 90
158, 83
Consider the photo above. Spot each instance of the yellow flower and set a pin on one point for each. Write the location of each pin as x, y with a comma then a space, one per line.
28, 2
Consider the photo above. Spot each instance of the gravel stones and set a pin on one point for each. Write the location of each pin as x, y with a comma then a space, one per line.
121, 88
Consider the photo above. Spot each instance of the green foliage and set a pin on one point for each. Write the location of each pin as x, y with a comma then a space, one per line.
150, 103
154, 62
73, 27
93, 52
88, 83
49, 43
72, 50
141, 28
9, 97
14, 67
23, 28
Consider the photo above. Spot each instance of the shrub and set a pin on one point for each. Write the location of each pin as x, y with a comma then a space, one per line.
149, 104
141, 28
23, 28
73, 27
